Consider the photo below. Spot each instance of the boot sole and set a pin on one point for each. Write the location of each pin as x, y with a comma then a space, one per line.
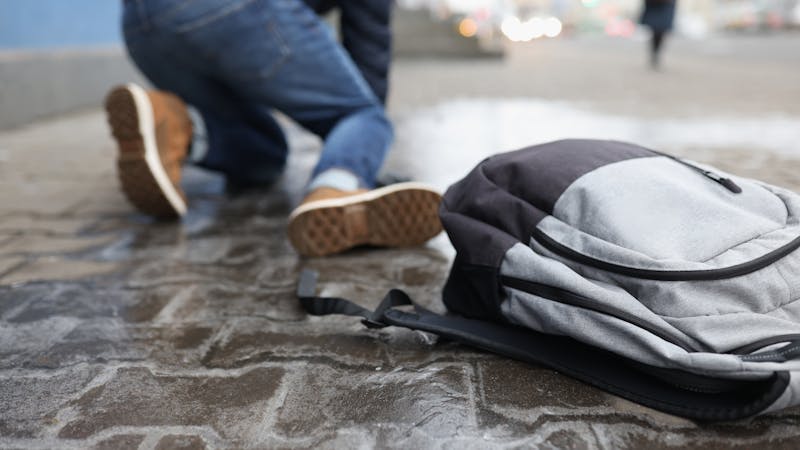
141, 172
400, 215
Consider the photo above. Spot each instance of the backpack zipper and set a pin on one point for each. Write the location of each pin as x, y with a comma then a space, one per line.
727, 183
576, 300
666, 275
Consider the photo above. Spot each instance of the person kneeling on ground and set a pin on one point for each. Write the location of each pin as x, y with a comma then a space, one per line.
236, 61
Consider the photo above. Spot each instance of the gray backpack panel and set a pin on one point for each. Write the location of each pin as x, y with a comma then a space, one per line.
666, 263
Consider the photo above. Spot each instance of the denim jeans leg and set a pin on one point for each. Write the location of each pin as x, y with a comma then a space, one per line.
236, 59
244, 142
307, 75
358, 142
247, 154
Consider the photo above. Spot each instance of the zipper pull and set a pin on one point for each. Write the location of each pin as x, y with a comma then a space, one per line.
726, 182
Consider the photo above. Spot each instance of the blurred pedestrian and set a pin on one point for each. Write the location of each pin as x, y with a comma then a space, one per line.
233, 62
658, 15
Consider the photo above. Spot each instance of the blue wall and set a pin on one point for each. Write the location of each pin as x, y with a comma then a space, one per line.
42, 24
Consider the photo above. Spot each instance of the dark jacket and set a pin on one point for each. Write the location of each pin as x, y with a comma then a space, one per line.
366, 35
658, 14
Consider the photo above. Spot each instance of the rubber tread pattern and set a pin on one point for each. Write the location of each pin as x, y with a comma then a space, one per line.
402, 218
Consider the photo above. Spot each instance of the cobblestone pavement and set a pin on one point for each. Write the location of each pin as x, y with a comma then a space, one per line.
116, 332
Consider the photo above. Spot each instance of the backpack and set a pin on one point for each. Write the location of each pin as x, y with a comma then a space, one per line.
663, 281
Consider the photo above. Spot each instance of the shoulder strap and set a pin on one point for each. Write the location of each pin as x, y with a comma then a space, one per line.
696, 397
323, 306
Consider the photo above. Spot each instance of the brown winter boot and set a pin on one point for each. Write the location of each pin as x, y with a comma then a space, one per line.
330, 221
153, 132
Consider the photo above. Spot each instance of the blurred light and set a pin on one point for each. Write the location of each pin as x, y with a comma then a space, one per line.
512, 28
464, 7
620, 28
531, 29
608, 11
467, 27
552, 27
590, 3
774, 20
534, 28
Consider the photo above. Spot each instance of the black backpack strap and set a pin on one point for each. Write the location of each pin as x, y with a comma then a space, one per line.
323, 306
688, 395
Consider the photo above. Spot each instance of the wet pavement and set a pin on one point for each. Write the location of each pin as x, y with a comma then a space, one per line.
118, 332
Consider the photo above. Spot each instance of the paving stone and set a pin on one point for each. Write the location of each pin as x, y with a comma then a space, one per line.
57, 324
53, 150
340, 339
137, 397
120, 442
142, 238
119, 224
434, 400
28, 244
22, 343
56, 268
102, 342
41, 196
659, 443
511, 384
623, 407
411, 348
517, 398
181, 442
170, 243
417, 271
9, 263
30, 403
14, 298
49, 225
100, 200
745, 435
219, 302
415, 348
246, 345
248, 227
37, 301
275, 201
568, 440
158, 273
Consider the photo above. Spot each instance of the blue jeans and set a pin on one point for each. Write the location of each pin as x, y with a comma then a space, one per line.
237, 60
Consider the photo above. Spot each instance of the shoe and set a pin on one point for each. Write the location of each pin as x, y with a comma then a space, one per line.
153, 132
330, 221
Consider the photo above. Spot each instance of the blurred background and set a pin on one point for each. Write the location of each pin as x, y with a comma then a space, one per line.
43, 24
526, 20
58, 55
474, 77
